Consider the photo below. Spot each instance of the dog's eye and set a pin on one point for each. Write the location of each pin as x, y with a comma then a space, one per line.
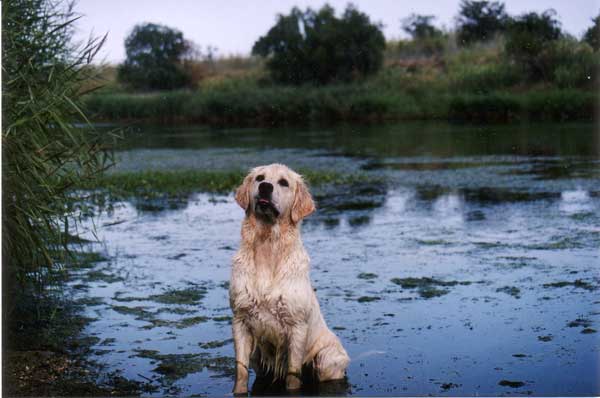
260, 178
283, 182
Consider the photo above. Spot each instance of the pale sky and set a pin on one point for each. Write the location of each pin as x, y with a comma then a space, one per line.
234, 25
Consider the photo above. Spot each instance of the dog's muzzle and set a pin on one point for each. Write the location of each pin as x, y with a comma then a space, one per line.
264, 205
266, 208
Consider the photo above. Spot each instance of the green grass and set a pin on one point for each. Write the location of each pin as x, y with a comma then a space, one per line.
248, 104
374, 102
124, 185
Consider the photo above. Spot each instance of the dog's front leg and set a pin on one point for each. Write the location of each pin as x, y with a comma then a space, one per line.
296, 350
242, 340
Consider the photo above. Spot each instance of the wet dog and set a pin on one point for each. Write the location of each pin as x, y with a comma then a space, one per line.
278, 328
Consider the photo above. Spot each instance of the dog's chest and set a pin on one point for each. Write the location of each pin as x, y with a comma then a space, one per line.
270, 312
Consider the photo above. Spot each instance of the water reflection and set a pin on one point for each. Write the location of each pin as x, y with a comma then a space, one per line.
351, 202
574, 202
407, 139
266, 386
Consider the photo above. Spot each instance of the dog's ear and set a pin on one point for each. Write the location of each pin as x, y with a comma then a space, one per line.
303, 202
242, 194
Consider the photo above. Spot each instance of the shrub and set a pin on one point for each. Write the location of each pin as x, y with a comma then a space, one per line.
155, 55
493, 107
561, 105
483, 78
425, 47
317, 47
569, 64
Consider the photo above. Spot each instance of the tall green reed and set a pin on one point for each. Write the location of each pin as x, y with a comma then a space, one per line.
47, 143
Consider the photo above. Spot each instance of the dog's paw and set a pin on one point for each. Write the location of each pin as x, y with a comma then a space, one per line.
240, 390
240, 393
292, 382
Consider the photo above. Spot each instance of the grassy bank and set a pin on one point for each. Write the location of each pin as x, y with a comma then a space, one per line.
467, 84
283, 105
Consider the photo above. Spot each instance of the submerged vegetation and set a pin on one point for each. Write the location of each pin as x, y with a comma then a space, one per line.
148, 184
426, 287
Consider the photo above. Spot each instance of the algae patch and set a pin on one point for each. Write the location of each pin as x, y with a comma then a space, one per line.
141, 314
411, 283
191, 295
101, 276
428, 287
580, 322
510, 290
433, 242
177, 366
578, 283
447, 386
90, 301
431, 292
368, 299
222, 318
180, 324
215, 344
512, 384
367, 275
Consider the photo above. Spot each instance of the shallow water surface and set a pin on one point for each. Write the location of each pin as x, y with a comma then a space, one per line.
468, 266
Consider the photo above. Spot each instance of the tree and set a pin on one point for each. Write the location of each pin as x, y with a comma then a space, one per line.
529, 33
318, 47
592, 35
480, 20
155, 55
420, 26
529, 37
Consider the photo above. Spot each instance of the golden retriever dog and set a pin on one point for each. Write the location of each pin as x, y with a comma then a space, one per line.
277, 324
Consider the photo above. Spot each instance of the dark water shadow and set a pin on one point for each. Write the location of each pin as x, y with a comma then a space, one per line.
265, 385
159, 204
482, 195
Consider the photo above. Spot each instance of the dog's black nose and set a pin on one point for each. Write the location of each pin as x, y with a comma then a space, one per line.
265, 189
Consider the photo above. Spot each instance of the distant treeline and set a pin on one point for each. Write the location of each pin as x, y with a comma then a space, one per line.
318, 66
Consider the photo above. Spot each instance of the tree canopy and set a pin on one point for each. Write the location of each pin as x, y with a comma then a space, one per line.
592, 35
420, 26
531, 42
480, 20
318, 47
529, 33
154, 58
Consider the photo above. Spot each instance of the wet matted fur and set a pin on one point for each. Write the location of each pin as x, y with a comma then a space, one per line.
277, 323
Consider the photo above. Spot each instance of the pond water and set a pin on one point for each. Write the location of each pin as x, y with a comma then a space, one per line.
467, 265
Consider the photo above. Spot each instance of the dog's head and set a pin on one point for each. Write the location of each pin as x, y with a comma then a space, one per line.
274, 193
